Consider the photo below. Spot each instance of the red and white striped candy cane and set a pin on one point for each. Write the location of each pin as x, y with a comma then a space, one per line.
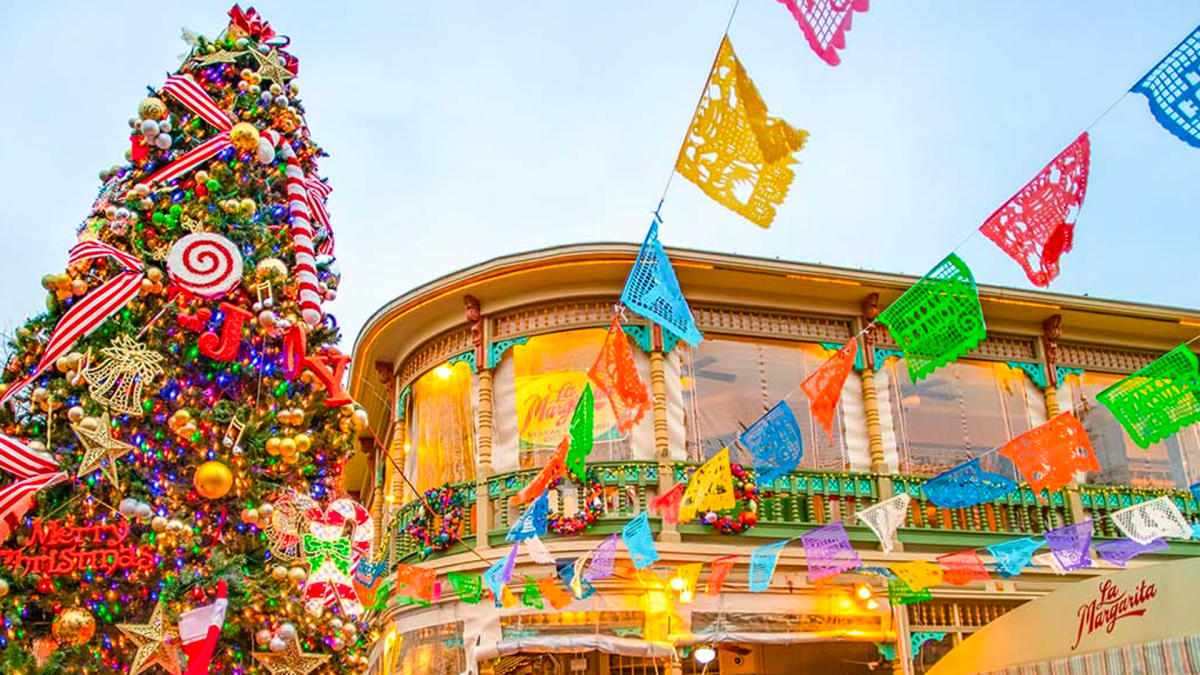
328, 585
302, 232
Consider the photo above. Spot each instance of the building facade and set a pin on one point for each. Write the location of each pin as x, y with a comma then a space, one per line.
471, 381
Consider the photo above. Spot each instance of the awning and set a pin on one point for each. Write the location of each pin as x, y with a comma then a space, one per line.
1138, 620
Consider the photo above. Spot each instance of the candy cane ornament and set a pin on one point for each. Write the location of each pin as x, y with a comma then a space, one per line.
334, 557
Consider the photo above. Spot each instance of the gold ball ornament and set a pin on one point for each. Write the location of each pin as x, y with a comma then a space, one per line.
360, 419
287, 447
279, 572
74, 627
271, 266
297, 574
152, 108
244, 136
273, 445
3, 588
213, 480
303, 442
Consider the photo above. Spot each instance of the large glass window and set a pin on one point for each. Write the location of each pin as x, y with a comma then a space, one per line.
961, 411
548, 374
1173, 462
728, 383
443, 425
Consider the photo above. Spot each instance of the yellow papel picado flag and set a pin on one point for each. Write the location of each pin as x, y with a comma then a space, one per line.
710, 489
734, 151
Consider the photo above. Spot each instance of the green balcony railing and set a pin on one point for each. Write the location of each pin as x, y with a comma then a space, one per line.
1099, 501
798, 501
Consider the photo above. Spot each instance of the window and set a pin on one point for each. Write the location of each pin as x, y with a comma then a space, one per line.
961, 411
728, 383
537, 390
1171, 463
443, 426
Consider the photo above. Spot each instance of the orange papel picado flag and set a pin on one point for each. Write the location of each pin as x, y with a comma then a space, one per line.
734, 151
710, 489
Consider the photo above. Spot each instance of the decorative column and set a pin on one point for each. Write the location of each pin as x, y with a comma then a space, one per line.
904, 656
386, 375
662, 436
483, 440
1048, 346
870, 310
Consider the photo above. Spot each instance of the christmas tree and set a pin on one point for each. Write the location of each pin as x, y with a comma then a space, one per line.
174, 425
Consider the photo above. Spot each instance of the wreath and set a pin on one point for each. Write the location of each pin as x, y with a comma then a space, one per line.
745, 512
444, 503
591, 505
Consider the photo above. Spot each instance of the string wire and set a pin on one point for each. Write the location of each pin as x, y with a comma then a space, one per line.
699, 101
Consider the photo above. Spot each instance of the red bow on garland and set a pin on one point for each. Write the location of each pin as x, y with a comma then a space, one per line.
251, 23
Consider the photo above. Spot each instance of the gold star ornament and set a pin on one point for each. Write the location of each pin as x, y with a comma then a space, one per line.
95, 435
157, 643
270, 67
291, 661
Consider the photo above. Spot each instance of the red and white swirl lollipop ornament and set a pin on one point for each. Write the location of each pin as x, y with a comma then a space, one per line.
205, 264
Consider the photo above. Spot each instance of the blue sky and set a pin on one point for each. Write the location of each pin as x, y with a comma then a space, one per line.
461, 131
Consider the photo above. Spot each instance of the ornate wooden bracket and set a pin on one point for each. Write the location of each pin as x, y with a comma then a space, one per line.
870, 310
474, 315
386, 373
1051, 331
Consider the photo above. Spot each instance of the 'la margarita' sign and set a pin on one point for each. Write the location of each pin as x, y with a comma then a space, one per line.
1112, 604
55, 547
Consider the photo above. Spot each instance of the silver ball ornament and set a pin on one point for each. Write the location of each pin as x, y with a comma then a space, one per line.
277, 644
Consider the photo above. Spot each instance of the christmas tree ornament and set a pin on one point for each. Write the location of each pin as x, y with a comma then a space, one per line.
74, 626
118, 381
205, 264
101, 449
213, 480
333, 555
157, 643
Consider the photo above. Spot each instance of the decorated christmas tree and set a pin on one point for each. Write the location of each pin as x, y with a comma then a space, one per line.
174, 425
